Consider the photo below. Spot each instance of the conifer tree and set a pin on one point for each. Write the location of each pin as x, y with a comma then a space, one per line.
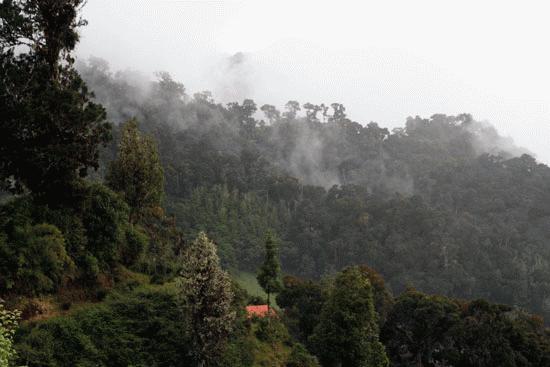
206, 292
269, 275
347, 334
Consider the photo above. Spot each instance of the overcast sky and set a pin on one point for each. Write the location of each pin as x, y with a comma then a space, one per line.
384, 60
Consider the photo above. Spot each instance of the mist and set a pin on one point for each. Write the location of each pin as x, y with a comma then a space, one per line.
383, 62
253, 183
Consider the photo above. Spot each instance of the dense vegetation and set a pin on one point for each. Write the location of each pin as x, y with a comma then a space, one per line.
128, 264
443, 204
418, 329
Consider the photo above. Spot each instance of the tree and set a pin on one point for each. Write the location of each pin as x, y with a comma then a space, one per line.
339, 112
137, 173
311, 111
8, 325
383, 300
105, 218
417, 329
292, 108
347, 334
425, 330
268, 276
324, 111
301, 301
50, 131
271, 113
244, 114
206, 292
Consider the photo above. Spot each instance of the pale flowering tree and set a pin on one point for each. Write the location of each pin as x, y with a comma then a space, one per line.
206, 293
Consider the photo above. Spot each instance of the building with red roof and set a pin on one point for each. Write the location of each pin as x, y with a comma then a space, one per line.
259, 311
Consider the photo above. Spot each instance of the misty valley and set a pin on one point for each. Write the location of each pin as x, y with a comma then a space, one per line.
142, 224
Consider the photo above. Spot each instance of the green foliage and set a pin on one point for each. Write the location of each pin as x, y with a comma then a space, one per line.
300, 357
238, 353
269, 273
6, 349
431, 204
383, 299
255, 293
239, 350
301, 301
50, 130
423, 323
270, 330
236, 222
206, 293
272, 345
8, 325
136, 241
34, 260
443, 203
434, 331
136, 172
59, 342
347, 333
105, 217
43, 260
42, 248
139, 328
160, 259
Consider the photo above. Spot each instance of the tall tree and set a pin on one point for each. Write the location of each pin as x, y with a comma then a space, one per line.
271, 113
137, 173
50, 131
417, 329
311, 111
292, 108
206, 291
269, 274
347, 334
339, 112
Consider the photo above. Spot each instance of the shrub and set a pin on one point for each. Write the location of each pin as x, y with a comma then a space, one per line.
57, 342
300, 357
271, 330
105, 216
34, 259
139, 328
8, 324
135, 243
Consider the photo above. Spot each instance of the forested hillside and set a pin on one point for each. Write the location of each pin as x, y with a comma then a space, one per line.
138, 223
444, 203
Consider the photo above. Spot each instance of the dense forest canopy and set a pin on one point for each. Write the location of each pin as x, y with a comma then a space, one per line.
443, 203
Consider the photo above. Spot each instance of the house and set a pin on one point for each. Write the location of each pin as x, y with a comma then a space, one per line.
259, 311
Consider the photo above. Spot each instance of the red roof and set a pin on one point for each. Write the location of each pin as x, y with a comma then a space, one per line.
258, 310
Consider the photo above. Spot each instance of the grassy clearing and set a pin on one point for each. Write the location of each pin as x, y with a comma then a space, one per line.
250, 284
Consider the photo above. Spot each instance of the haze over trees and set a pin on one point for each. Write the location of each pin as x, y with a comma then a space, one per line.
121, 267
443, 203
